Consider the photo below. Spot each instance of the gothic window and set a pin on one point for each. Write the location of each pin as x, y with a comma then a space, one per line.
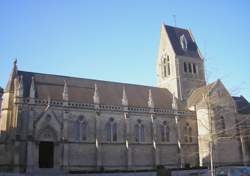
188, 133
139, 132
77, 130
111, 129
166, 66
185, 67
164, 132
189, 67
84, 131
80, 128
223, 126
194, 68
183, 42
109, 133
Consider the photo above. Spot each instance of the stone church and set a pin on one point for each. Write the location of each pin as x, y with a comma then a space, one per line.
77, 124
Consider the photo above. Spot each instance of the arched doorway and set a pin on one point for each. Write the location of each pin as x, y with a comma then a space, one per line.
46, 149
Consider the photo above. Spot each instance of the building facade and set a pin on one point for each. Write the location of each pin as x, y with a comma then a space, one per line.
74, 124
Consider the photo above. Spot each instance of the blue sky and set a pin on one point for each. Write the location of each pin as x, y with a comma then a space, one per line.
118, 40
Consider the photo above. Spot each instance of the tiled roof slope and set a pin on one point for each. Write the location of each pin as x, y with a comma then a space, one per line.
243, 106
174, 34
82, 90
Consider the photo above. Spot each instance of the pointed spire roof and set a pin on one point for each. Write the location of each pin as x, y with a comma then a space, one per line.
175, 34
150, 99
96, 97
124, 97
10, 84
65, 91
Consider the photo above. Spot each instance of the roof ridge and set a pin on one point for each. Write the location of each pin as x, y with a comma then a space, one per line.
175, 27
72, 77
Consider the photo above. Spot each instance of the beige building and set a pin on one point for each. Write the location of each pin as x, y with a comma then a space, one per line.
75, 124
1, 94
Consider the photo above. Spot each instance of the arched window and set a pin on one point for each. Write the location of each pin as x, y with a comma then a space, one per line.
81, 126
84, 127
139, 132
77, 130
223, 126
111, 128
183, 42
166, 66
188, 133
164, 132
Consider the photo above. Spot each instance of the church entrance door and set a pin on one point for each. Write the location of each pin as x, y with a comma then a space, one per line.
46, 155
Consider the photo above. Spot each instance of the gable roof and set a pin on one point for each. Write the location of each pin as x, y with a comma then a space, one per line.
82, 90
197, 94
175, 34
242, 105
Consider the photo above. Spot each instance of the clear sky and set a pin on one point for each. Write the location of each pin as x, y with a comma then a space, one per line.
118, 40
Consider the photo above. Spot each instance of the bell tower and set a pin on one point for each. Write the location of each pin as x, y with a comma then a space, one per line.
180, 65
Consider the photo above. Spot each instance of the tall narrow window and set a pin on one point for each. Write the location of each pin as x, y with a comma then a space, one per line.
111, 129
139, 132
80, 128
108, 130
168, 64
183, 42
114, 132
84, 130
164, 67
164, 132
223, 126
194, 68
185, 67
189, 67
188, 133
77, 127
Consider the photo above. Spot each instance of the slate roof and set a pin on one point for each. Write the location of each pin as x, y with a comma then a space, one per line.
174, 34
82, 90
243, 106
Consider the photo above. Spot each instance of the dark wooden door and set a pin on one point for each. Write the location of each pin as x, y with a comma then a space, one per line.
46, 154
